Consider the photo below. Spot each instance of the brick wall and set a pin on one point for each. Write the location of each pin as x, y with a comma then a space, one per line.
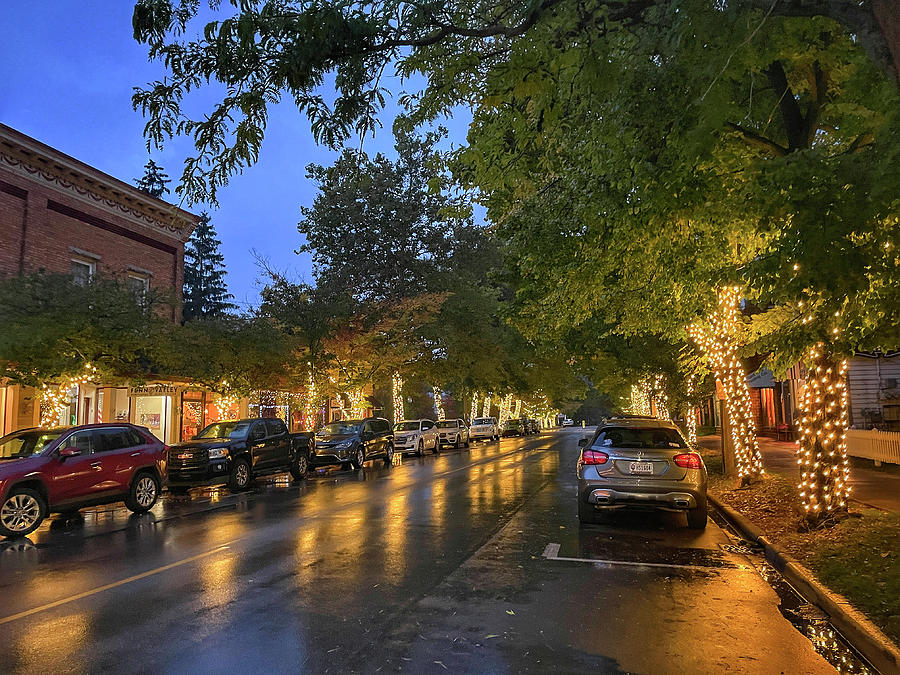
44, 224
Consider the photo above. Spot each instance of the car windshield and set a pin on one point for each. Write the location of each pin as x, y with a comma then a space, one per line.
339, 428
407, 426
482, 420
621, 437
27, 443
231, 429
447, 424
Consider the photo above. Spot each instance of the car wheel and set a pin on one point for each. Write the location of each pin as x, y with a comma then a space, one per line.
240, 475
143, 493
300, 467
21, 512
389, 456
420, 451
697, 517
587, 514
457, 444
358, 459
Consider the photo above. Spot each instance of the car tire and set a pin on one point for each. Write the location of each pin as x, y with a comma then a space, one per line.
22, 512
300, 467
698, 516
420, 451
143, 493
389, 455
358, 459
458, 443
587, 514
239, 478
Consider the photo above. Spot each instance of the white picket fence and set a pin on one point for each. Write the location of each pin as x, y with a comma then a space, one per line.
882, 446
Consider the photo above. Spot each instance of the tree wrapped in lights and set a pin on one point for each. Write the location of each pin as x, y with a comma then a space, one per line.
640, 399
357, 409
822, 447
691, 416
397, 397
486, 407
518, 412
719, 342
660, 398
309, 403
438, 402
473, 412
505, 406
53, 400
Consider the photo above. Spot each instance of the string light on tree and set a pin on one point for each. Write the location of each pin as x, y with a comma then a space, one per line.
518, 412
357, 410
660, 398
438, 402
822, 447
486, 408
505, 407
397, 397
718, 340
54, 399
309, 403
640, 399
473, 413
691, 417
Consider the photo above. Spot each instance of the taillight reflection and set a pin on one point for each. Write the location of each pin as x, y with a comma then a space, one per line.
688, 460
594, 457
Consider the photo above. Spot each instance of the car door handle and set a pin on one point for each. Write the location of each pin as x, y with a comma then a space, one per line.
96, 466
135, 454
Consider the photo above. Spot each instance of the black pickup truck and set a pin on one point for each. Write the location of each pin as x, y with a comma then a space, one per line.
235, 452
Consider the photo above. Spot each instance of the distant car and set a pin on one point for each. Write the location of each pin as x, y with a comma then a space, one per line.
513, 427
237, 451
568, 423
350, 443
484, 427
640, 463
452, 432
415, 436
63, 469
533, 426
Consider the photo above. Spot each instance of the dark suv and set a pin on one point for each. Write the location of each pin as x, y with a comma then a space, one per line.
350, 443
67, 468
237, 451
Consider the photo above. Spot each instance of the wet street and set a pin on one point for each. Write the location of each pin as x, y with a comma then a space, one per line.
470, 561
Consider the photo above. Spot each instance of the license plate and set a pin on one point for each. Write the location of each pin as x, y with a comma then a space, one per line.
641, 467
185, 455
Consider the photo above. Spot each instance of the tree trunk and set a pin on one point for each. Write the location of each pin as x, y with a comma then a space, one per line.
822, 448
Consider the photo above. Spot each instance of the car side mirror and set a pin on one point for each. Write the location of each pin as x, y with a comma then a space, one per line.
582, 442
69, 452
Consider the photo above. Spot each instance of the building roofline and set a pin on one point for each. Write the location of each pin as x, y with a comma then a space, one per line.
87, 177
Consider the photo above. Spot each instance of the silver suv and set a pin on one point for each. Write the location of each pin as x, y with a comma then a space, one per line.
642, 464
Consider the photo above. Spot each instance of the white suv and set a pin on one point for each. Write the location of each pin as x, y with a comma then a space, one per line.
415, 436
484, 427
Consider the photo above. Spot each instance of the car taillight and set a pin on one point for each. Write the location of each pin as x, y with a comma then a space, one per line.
594, 457
688, 460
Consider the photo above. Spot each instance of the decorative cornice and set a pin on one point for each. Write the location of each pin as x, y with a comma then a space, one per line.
177, 227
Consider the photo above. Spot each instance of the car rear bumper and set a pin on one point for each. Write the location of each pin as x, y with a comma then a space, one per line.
679, 498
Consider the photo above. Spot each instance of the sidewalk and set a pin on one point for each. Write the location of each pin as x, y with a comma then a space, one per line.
876, 487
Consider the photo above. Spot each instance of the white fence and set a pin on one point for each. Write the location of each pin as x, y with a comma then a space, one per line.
882, 446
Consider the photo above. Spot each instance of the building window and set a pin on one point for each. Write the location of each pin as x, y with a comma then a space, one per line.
138, 285
83, 271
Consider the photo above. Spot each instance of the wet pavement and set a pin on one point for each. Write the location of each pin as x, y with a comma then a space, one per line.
470, 561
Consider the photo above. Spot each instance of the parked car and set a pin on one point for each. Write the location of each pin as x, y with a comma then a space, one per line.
350, 443
63, 469
533, 426
513, 427
415, 436
452, 432
568, 422
237, 451
640, 464
484, 427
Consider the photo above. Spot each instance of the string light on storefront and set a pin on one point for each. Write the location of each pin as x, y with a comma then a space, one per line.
719, 342
397, 397
822, 446
53, 400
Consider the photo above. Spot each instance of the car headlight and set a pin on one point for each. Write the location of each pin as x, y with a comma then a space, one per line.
343, 445
218, 453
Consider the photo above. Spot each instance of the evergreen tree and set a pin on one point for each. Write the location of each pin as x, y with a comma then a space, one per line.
205, 291
154, 180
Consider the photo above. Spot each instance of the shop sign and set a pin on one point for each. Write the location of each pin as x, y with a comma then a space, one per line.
154, 390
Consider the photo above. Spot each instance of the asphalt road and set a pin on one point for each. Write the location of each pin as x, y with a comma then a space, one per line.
471, 561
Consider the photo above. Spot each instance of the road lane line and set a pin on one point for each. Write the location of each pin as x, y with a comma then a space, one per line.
115, 584
551, 552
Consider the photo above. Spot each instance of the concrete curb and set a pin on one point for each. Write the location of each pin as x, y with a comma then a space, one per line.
865, 636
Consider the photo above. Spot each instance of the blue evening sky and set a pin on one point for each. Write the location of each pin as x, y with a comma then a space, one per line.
68, 69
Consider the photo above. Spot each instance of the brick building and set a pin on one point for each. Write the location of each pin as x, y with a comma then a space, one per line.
60, 215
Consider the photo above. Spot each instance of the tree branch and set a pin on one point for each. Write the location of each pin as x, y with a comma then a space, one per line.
758, 140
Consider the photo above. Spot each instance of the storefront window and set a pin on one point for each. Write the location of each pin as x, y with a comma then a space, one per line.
152, 412
222, 408
191, 414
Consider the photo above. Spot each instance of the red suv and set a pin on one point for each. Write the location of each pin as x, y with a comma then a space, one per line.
67, 468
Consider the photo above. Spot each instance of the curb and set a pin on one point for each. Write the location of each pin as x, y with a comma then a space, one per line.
865, 636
